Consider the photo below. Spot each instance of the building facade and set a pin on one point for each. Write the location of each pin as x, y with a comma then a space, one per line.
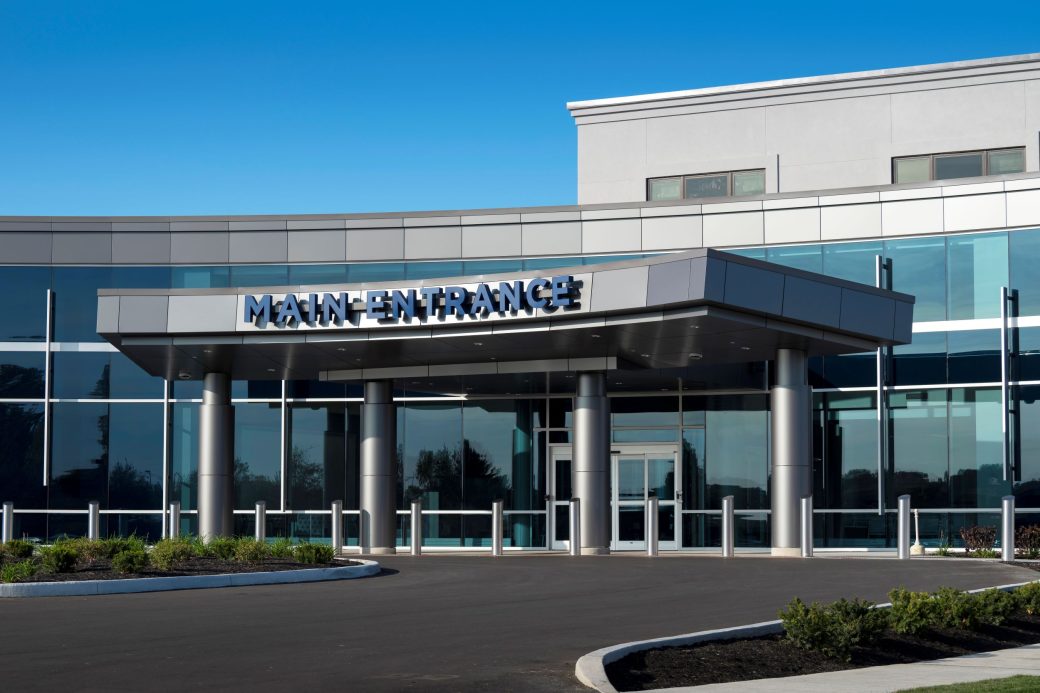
925, 181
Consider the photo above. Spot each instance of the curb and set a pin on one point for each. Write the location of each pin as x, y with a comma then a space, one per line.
187, 582
590, 669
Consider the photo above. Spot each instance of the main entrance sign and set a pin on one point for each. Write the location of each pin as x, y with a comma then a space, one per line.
388, 307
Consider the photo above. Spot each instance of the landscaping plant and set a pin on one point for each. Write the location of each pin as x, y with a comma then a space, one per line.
18, 571
251, 551
911, 612
1027, 541
222, 548
17, 549
1028, 598
835, 629
60, 557
167, 553
130, 560
282, 548
995, 606
978, 538
956, 609
314, 553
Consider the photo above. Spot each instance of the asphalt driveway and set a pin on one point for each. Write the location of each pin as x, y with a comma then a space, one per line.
440, 623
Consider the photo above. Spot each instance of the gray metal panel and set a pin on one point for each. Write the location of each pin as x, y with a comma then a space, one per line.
811, 301
484, 219
374, 223
620, 289
258, 246
491, 241
427, 243
82, 247
754, 288
317, 246
199, 314
867, 313
198, 226
81, 226
432, 221
108, 315
140, 226
904, 319
142, 314
141, 247
560, 238
708, 279
206, 247
669, 283
25, 226
294, 224
375, 244
31, 246
264, 225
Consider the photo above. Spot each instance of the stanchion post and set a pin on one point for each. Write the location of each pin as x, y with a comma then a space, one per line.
337, 527
903, 528
807, 526
652, 506
415, 548
175, 520
7, 533
727, 527
93, 520
497, 508
1007, 528
260, 533
575, 522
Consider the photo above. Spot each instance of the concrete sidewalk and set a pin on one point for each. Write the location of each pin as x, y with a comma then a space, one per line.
895, 677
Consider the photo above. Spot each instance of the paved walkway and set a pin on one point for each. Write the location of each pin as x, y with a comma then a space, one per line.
897, 677
436, 623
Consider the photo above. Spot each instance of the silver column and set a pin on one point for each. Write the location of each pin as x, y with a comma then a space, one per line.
216, 457
590, 471
7, 533
93, 520
175, 520
378, 469
807, 527
1007, 528
652, 506
903, 528
727, 527
337, 527
575, 522
791, 423
260, 533
416, 518
496, 527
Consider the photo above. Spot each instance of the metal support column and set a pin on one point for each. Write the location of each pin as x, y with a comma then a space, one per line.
1007, 528
7, 531
807, 527
727, 527
216, 457
337, 527
260, 532
416, 518
378, 469
791, 425
496, 527
903, 528
590, 471
575, 526
174, 529
651, 526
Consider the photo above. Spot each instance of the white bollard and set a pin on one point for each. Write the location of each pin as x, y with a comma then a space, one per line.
7, 533
497, 508
175, 519
727, 527
1007, 528
416, 517
260, 533
652, 506
903, 528
575, 521
337, 527
93, 520
807, 527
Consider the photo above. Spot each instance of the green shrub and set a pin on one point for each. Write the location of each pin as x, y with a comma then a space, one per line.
956, 609
168, 552
984, 553
61, 557
978, 538
251, 551
1027, 598
995, 606
860, 621
18, 549
18, 571
314, 553
282, 548
833, 630
911, 612
130, 561
222, 547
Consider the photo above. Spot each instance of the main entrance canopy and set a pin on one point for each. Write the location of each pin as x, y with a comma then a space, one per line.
671, 311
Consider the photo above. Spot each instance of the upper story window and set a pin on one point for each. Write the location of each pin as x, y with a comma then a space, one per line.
725, 184
985, 162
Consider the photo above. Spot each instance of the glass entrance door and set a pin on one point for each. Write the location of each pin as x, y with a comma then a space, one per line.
639, 475
560, 498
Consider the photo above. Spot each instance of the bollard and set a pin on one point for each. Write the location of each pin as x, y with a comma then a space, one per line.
727, 527
7, 533
416, 517
175, 519
651, 526
93, 520
337, 527
1007, 528
903, 528
807, 527
260, 533
496, 527
575, 522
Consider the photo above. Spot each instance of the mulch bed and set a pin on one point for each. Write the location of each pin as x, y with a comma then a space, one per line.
773, 657
102, 570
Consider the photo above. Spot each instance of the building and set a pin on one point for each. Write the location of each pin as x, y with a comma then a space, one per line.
871, 328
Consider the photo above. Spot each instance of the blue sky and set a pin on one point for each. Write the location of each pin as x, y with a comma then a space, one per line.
263, 107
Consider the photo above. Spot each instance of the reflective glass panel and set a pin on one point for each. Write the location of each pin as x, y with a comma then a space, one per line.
974, 356
631, 523
665, 189
803, 257
661, 475
845, 469
21, 374
259, 275
756, 253
75, 302
184, 454
919, 268
477, 267
912, 169
1027, 432
1006, 161
958, 166
630, 478
324, 449
200, 277
317, 274
644, 411
978, 267
429, 270
849, 370
430, 439
135, 446
258, 461
749, 183
79, 455
81, 375
21, 455
30, 285
1024, 249
375, 272
856, 262
922, 362
143, 277
918, 430
707, 186
645, 435
1027, 365
551, 263
976, 449
737, 456
693, 469
499, 459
